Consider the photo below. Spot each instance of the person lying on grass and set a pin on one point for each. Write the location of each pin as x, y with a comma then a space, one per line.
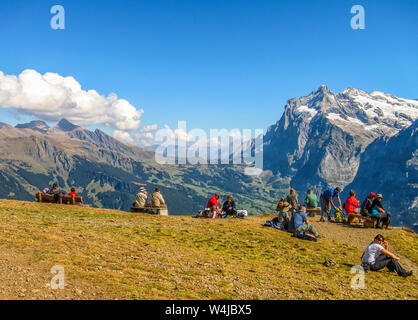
377, 257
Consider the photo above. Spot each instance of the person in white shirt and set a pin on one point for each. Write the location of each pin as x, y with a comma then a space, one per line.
377, 257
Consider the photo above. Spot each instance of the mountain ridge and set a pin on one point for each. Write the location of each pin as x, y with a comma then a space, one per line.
320, 141
108, 172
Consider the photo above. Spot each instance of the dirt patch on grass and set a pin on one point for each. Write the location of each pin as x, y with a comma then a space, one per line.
23, 278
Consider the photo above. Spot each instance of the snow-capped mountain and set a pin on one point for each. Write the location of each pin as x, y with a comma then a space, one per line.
320, 137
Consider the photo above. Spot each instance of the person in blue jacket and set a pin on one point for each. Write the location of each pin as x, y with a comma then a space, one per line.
326, 202
299, 222
228, 207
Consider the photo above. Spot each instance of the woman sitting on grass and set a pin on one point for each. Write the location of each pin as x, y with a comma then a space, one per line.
377, 257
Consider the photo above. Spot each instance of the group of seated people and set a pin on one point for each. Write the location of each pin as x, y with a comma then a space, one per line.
56, 191
371, 206
157, 199
213, 210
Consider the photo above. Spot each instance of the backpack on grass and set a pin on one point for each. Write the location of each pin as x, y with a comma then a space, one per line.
338, 216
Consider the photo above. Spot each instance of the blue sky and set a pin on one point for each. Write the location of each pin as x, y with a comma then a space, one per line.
216, 64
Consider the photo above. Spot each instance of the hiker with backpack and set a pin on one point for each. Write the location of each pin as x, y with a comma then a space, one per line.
377, 256
379, 213
350, 207
326, 202
299, 223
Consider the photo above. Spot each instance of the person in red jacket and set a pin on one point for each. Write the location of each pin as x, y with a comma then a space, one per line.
213, 202
350, 206
73, 192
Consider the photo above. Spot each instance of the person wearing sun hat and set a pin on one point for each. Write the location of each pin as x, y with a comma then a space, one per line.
141, 198
378, 212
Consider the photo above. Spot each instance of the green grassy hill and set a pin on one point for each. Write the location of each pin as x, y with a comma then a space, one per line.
117, 255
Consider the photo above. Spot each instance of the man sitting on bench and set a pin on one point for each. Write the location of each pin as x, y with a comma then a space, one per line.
379, 213
141, 198
158, 200
55, 190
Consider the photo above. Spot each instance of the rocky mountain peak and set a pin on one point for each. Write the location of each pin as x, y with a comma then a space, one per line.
37, 125
354, 91
323, 89
66, 125
320, 137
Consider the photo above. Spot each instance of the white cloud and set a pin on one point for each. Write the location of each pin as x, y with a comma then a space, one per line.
123, 135
149, 128
51, 97
145, 139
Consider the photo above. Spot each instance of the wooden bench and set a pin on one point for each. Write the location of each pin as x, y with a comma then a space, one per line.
313, 211
63, 199
368, 222
162, 211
